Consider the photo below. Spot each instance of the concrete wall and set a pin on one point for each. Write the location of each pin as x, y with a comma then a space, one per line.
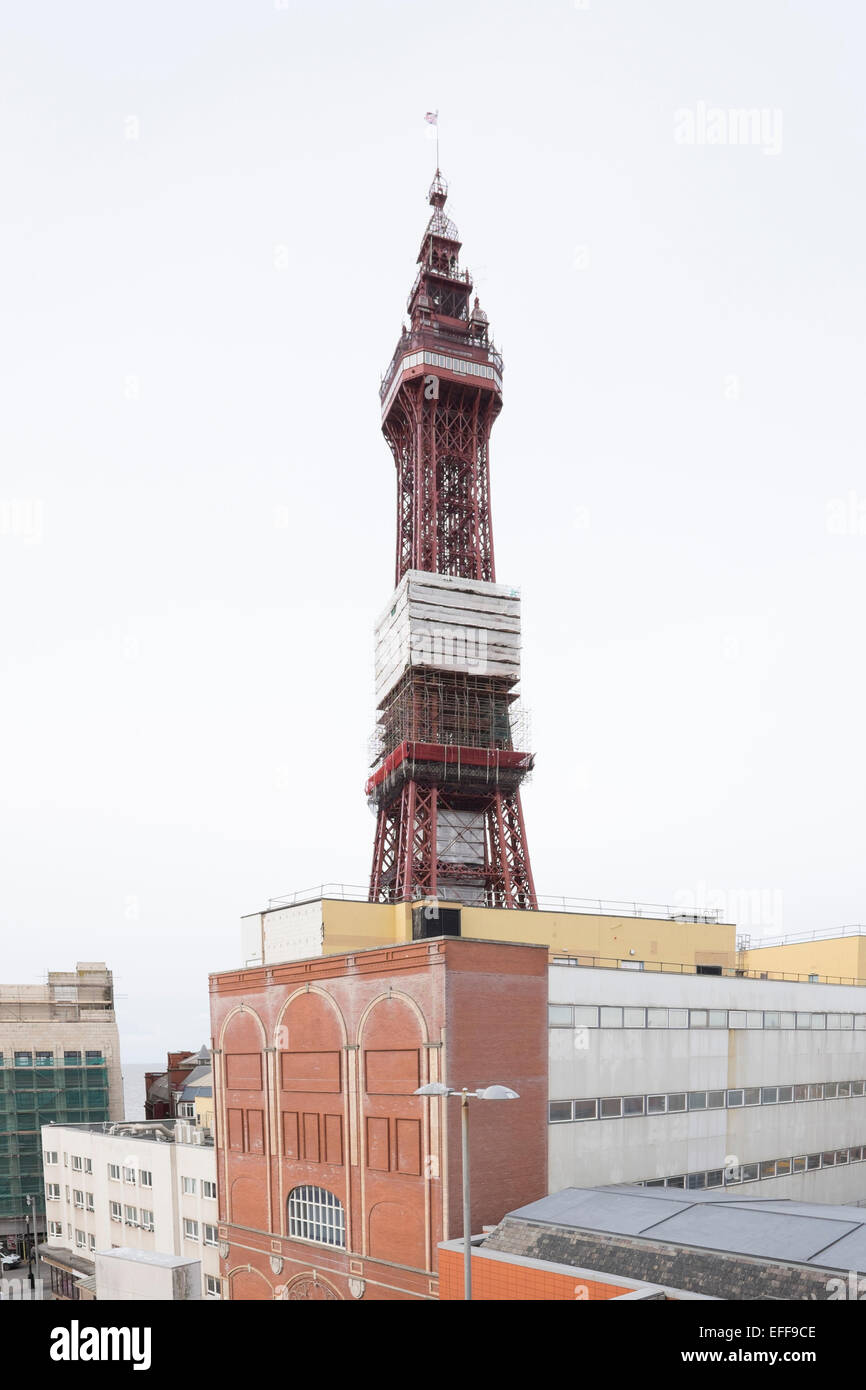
598, 1062
128, 1275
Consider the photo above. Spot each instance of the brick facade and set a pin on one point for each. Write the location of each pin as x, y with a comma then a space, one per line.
315, 1065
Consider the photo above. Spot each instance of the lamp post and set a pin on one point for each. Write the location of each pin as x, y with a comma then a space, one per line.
438, 1088
33, 1262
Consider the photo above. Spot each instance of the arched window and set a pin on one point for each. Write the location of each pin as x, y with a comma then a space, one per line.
316, 1214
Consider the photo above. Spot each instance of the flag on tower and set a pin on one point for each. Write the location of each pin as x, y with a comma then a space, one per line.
432, 117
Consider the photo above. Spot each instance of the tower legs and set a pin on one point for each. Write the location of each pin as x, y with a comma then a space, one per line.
431, 843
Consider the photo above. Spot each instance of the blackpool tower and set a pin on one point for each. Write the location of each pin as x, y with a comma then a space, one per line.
448, 762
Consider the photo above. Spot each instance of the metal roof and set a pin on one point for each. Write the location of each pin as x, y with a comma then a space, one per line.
828, 1237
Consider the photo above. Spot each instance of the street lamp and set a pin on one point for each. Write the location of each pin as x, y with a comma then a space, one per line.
438, 1088
33, 1263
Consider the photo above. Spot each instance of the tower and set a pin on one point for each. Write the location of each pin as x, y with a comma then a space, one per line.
448, 764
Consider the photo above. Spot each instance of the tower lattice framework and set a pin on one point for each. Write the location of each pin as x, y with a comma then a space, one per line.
448, 759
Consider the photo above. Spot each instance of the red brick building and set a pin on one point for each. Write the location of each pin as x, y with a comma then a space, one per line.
335, 1180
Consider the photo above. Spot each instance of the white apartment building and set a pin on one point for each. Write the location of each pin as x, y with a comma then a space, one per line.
701, 1081
148, 1186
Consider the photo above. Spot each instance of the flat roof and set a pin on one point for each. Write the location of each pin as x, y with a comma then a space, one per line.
808, 1233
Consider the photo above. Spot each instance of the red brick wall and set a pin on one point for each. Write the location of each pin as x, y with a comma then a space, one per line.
315, 1065
501, 1281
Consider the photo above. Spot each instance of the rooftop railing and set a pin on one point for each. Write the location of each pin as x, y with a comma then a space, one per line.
728, 972
595, 907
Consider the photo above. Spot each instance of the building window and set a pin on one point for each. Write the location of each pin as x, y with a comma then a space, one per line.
147, 1219
634, 1018
718, 1018
813, 1161
585, 1109
130, 1216
78, 1198
88, 1201
211, 1286
585, 1016
88, 1165
611, 1017
72, 1059
114, 1211
735, 1098
189, 1186
559, 1110
633, 1105
697, 1100
51, 1156
769, 1095
91, 1241
76, 1163
786, 1094
93, 1058
715, 1100
656, 1105
316, 1214
656, 1018
772, 1019
55, 1229
129, 1175
190, 1229
44, 1059
676, 1101
145, 1177
752, 1095
24, 1059
611, 1108
114, 1172
52, 1191
208, 1189
697, 1018
210, 1234
80, 1239
678, 1018
559, 1015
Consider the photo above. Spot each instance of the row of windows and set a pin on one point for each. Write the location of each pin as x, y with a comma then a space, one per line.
614, 1016
131, 1215
79, 1164
623, 1107
145, 1177
758, 1172
190, 1232
47, 1059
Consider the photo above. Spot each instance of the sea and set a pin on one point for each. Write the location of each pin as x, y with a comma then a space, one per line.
133, 1087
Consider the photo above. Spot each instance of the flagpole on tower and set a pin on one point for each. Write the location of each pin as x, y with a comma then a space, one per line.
432, 117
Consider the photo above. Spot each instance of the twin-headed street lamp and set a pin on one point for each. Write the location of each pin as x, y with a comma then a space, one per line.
438, 1088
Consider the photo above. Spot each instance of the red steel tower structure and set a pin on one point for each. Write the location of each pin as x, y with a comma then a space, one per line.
448, 765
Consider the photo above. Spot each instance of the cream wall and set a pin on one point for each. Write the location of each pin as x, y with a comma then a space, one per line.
840, 957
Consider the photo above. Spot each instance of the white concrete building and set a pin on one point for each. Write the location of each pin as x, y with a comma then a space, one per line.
147, 1186
701, 1081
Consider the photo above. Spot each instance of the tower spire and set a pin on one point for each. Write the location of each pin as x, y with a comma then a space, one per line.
449, 742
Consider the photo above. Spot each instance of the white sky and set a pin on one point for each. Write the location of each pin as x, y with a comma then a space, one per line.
197, 507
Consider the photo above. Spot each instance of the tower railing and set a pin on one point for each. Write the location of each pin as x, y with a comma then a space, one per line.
425, 337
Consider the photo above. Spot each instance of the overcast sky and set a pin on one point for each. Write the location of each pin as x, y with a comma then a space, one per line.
211, 211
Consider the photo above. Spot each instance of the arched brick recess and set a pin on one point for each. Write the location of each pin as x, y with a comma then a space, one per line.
246, 1284
397, 1233
244, 1118
391, 1036
312, 1099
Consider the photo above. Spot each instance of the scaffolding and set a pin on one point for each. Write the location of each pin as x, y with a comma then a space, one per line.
452, 708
